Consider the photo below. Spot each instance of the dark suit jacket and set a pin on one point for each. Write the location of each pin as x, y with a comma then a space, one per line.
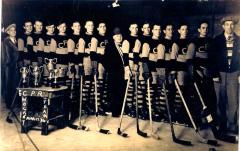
218, 55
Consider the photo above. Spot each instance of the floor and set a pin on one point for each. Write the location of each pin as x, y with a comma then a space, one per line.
78, 140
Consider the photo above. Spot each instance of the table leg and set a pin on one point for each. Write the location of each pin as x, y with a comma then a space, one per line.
24, 114
45, 116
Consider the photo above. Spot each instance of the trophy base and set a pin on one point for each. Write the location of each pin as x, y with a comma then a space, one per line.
54, 85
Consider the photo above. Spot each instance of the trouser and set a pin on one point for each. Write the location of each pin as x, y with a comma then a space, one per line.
227, 99
117, 86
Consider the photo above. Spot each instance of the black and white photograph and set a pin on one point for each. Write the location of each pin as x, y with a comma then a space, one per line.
120, 75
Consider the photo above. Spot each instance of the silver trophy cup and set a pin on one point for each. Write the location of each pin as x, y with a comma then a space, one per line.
50, 64
36, 72
24, 73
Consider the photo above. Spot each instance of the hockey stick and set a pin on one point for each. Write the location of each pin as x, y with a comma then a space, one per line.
79, 126
175, 139
208, 117
150, 110
205, 114
8, 118
123, 106
210, 142
104, 131
141, 133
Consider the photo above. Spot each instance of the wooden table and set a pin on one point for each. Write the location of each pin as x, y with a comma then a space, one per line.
47, 94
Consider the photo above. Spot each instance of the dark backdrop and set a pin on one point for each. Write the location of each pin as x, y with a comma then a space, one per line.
190, 11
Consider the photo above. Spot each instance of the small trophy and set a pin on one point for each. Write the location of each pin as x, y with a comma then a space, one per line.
50, 63
24, 73
36, 72
55, 74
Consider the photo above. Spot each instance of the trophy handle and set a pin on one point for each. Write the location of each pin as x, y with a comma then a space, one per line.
21, 69
41, 69
46, 60
54, 60
30, 69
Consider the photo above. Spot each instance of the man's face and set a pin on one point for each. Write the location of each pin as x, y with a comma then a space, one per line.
62, 28
156, 30
133, 29
228, 27
12, 32
50, 29
76, 27
38, 26
117, 38
203, 30
168, 31
102, 28
183, 31
89, 26
28, 27
146, 29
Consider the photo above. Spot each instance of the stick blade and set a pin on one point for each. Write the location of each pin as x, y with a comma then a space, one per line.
104, 131
182, 142
9, 120
75, 127
121, 133
141, 133
212, 142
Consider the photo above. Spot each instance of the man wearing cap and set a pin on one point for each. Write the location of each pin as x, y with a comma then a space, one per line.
22, 43
225, 65
117, 66
9, 57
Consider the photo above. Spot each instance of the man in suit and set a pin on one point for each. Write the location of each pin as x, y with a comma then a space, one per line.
225, 66
117, 66
9, 57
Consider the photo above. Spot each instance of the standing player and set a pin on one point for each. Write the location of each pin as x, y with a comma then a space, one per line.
22, 43
164, 67
145, 38
87, 49
182, 54
132, 45
59, 46
38, 43
102, 41
149, 54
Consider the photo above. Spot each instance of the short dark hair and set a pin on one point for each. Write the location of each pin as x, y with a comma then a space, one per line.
202, 22
182, 23
167, 24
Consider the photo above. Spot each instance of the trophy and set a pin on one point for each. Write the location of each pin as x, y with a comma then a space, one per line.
55, 74
50, 63
24, 73
36, 72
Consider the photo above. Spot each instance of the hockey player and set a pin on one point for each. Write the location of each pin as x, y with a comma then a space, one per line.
38, 43
164, 67
201, 72
102, 41
47, 52
150, 55
145, 37
132, 45
22, 43
87, 49
182, 54
73, 75
59, 46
